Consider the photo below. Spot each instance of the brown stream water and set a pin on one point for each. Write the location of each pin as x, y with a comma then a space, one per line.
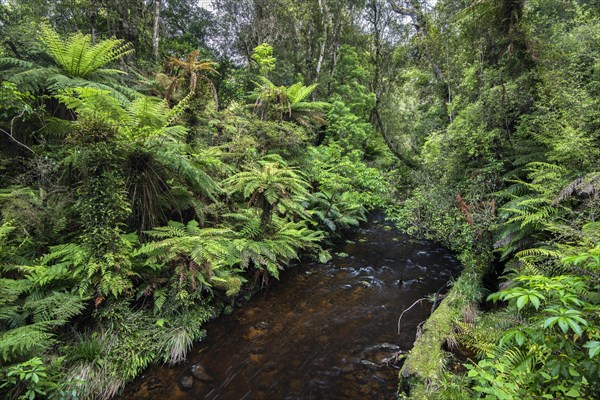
319, 333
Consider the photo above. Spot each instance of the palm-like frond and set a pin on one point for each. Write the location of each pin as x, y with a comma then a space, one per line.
531, 213
78, 57
78, 63
197, 69
94, 103
272, 184
298, 92
288, 103
271, 252
272, 181
195, 253
23, 341
28, 76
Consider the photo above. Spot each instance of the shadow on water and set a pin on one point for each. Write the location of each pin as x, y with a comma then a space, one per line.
321, 332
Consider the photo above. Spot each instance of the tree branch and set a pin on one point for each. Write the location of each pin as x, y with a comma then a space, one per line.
10, 134
413, 304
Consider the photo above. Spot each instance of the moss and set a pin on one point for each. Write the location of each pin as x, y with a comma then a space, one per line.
425, 365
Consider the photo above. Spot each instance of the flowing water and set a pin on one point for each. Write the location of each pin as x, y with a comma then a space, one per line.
319, 333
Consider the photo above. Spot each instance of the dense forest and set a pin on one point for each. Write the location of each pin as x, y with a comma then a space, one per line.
162, 160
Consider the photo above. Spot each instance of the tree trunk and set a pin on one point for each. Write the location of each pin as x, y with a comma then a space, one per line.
156, 28
325, 17
266, 216
410, 163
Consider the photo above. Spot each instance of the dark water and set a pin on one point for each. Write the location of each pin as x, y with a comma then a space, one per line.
319, 333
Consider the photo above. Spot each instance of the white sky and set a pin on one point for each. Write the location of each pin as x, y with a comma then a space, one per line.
205, 3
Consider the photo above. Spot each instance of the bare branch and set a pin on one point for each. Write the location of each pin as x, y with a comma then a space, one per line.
10, 134
402, 10
413, 304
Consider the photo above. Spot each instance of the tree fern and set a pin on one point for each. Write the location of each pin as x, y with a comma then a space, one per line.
268, 185
336, 211
195, 253
530, 214
269, 253
54, 306
94, 103
79, 57
157, 158
78, 63
288, 103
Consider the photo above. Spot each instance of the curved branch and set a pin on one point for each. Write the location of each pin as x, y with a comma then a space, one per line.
413, 304
10, 134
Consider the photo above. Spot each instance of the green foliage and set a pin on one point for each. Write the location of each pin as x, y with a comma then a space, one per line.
269, 252
336, 211
78, 63
553, 353
272, 186
350, 80
263, 56
347, 177
79, 57
28, 380
347, 128
287, 103
196, 255
13, 101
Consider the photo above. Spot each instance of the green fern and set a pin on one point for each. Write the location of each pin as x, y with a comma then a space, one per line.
78, 63
289, 104
270, 185
270, 253
480, 341
531, 214
79, 57
26, 340
196, 254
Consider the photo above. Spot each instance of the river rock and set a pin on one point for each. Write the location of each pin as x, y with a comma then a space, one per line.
262, 325
381, 348
186, 382
384, 346
200, 373
369, 364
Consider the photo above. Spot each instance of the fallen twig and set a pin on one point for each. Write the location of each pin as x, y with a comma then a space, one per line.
413, 304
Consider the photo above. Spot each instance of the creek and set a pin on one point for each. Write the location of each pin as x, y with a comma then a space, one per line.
321, 332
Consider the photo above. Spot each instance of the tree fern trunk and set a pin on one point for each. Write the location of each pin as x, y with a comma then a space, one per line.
266, 216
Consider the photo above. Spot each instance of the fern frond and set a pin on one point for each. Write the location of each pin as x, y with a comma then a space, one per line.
539, 252
22, 341
77, 56
479, 341
56, 306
